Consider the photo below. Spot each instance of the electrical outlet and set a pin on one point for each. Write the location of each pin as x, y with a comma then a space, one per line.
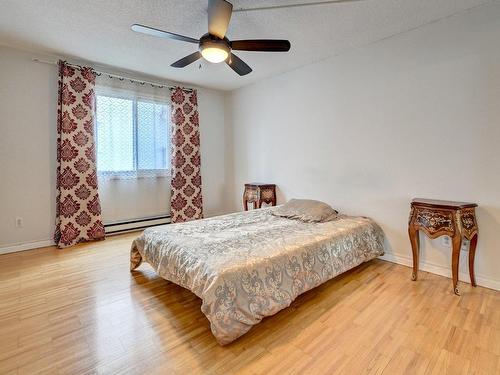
19, 222
446, 241
465, 245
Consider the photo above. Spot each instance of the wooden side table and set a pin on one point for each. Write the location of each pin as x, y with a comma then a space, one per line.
439, 218
258, 193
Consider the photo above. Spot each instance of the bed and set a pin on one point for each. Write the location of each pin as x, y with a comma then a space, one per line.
249, 265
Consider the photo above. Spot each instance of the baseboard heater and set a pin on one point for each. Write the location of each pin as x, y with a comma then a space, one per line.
135, 224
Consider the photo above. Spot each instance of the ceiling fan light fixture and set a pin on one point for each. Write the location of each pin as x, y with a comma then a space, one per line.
213, 49
214, 54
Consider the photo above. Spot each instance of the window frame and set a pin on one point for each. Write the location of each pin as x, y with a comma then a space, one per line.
135, 98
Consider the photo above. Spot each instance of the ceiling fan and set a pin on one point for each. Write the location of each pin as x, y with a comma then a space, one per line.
214, 46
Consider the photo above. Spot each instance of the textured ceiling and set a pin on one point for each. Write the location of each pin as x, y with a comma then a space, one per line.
99, 31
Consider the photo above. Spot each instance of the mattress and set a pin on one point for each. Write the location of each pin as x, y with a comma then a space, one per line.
249, 265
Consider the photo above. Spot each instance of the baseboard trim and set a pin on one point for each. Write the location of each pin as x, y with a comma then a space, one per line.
442, 271
14, 248
111, 229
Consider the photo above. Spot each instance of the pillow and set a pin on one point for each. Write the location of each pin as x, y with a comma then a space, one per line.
307, 210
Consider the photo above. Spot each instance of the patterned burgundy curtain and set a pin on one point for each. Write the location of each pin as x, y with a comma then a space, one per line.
78, 210
186, 201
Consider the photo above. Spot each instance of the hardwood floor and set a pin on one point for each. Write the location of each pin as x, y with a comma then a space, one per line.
80, 310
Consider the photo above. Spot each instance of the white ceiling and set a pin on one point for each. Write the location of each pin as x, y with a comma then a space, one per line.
99, 31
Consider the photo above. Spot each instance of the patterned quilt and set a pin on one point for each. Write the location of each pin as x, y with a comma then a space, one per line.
249, 265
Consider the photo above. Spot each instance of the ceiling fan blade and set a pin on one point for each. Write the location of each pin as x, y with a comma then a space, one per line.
219, 15
162, 34
185, 61
295, 5
238, 65
265, 45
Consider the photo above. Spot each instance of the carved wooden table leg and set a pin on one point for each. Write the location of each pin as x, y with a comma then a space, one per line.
472, 254
455, 259
415, 248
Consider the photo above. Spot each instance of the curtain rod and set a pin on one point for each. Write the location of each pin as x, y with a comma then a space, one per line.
112, 75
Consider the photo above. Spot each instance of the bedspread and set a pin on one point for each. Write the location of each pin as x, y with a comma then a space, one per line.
249, 265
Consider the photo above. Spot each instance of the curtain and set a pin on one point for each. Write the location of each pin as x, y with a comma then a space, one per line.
78, 209
186, 200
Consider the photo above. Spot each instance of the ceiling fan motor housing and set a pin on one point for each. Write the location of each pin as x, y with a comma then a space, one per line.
211, 41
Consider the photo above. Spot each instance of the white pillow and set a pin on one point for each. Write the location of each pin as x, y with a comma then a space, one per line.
307, 210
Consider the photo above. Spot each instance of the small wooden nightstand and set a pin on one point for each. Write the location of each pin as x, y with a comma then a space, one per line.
444, 218
258, 193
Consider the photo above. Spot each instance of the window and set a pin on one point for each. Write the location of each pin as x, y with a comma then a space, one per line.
133, 136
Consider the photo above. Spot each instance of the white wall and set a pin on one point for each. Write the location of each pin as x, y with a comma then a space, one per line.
27, 147
28, 103
416, 115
